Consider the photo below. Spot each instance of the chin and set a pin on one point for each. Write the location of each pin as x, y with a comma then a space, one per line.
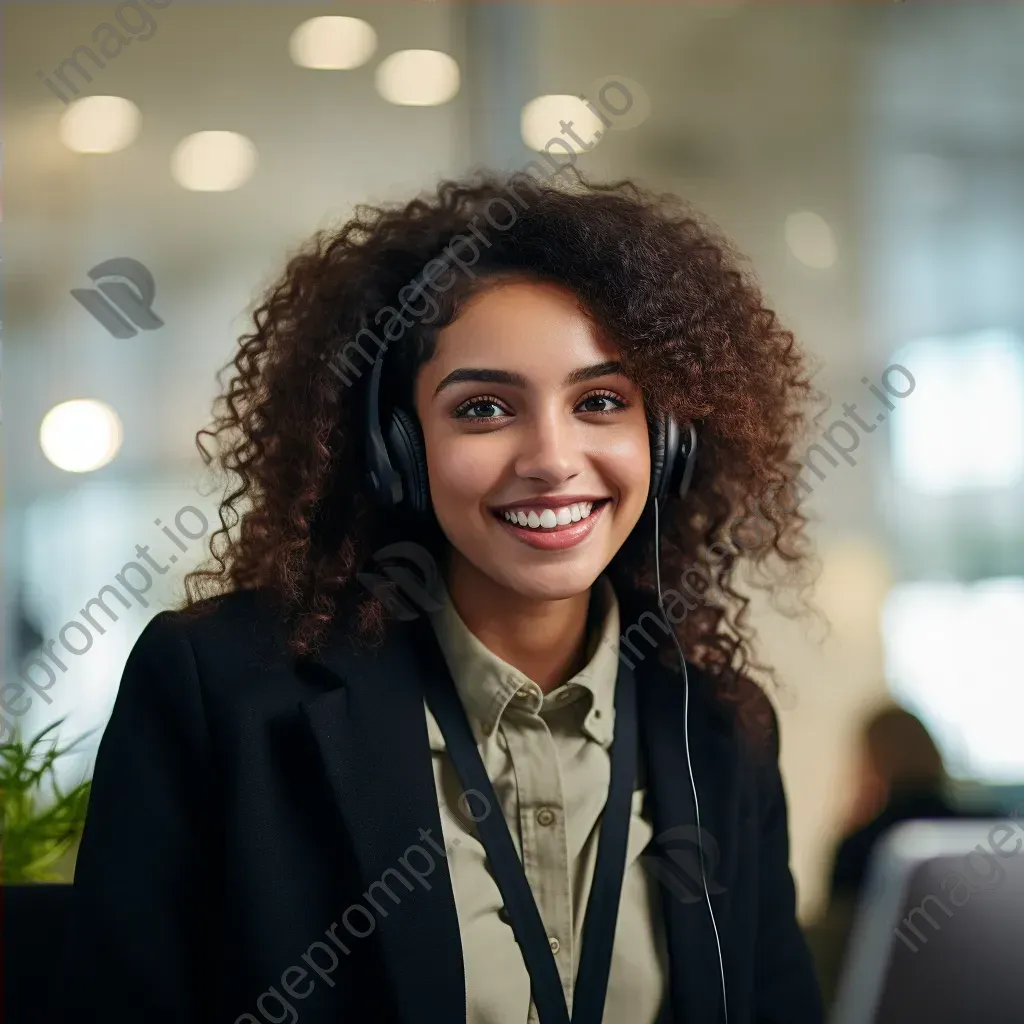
546, 583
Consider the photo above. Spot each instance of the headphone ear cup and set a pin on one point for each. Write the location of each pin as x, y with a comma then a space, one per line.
685, 461
659, 458
408, 453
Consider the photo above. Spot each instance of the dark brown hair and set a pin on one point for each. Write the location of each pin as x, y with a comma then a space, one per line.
694, 333
903, 750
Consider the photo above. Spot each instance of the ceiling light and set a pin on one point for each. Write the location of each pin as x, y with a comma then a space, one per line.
99, 124
213, 161
811, 239
80, 435
540, 123
332, 43
418, 78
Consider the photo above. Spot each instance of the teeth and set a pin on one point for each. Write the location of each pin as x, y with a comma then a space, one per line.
549, 518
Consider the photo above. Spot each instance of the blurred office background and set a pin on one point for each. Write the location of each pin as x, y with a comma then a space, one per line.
867, 157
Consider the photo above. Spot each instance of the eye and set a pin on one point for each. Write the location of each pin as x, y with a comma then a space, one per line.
603, 396
466, 411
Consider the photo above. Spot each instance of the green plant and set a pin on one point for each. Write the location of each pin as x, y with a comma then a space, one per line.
40, 823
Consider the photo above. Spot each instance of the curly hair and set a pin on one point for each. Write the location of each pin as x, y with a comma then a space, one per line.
694, 334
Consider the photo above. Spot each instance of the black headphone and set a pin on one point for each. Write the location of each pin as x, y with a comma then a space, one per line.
397, 462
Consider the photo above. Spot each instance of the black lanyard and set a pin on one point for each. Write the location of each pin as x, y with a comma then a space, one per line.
591, 985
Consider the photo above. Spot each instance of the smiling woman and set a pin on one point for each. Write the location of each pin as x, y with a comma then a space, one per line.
598, 393
585, 275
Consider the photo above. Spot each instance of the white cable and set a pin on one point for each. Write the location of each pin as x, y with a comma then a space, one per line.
689, 764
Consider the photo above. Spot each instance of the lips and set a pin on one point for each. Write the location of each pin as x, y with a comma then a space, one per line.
550, 517
561, 535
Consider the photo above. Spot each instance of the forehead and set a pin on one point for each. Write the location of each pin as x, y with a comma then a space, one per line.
539, 328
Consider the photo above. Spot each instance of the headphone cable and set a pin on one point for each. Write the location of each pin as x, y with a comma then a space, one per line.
689, 763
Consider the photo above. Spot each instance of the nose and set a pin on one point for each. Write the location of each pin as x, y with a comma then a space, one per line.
550, 449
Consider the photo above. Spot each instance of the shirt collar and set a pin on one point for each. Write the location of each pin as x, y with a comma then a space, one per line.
487, 684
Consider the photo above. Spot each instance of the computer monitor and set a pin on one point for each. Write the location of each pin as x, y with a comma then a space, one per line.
939, 932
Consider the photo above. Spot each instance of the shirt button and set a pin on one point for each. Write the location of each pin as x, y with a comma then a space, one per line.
554, 944
545, 816
503, 915
522, 694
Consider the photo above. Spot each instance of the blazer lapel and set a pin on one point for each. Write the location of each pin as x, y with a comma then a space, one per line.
695, 986
372, 737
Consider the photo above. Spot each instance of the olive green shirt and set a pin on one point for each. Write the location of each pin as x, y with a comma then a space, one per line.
548, 759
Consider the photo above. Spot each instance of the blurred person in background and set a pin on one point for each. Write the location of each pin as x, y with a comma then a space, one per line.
900, 776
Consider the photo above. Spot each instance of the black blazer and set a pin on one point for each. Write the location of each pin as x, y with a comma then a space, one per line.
252, 813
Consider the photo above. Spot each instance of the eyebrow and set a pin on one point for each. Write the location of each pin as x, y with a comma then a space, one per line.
517, 380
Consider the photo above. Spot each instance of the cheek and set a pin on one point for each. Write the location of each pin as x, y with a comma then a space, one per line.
461, 474
627, 465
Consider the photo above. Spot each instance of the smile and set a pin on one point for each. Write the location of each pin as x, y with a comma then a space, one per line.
553, 528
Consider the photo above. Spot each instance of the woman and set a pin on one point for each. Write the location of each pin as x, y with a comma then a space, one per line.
462, 430
900, 776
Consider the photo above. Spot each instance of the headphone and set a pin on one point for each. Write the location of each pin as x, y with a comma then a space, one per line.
397, 477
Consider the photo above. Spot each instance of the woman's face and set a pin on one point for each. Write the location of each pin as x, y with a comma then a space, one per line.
523, 409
